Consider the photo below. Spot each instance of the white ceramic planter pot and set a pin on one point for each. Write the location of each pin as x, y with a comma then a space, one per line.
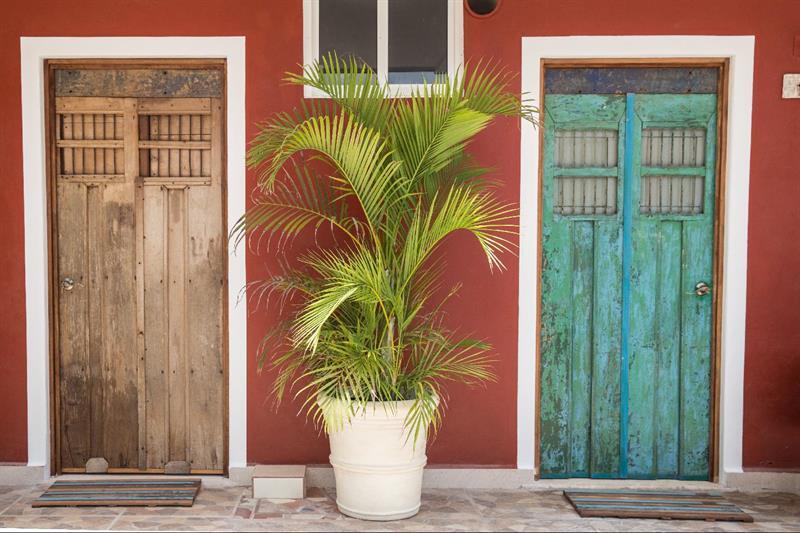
378, 472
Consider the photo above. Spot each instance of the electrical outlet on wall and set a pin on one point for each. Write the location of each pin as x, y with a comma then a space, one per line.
791, 85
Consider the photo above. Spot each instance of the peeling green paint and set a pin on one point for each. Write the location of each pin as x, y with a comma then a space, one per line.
669, 344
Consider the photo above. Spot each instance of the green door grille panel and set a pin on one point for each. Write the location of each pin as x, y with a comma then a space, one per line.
669, 343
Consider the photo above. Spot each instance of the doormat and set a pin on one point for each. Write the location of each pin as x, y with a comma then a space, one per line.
666, 505
127, 492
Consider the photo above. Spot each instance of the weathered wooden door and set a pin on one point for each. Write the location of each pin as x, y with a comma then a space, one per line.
139, 265
626, 325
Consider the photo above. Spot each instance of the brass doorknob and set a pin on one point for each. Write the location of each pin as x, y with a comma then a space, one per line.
702, 288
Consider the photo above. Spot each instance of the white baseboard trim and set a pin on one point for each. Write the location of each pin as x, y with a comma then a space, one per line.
755, 481
512, 478
434, 478
482, 478
22, 474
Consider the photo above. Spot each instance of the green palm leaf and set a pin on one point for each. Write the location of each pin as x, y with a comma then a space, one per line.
389, 180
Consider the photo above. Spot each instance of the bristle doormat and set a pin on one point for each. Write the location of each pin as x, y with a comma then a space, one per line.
666, 505
127, 492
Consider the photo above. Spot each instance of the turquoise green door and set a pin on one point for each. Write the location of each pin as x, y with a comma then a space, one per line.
627, 263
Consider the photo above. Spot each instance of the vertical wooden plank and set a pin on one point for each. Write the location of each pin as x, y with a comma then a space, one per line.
606, 339
695, 352
144, 155
119, 324
66, 164
121, 358
133, 174
195, 164
205, 299
77, 133
94, 323
582, 300
155, 124
174, 153
99, 134
185, 134
642, 354
74, 364
579, 195
156, 310
119, 133
163, 135
668, 334
88, 153
607, 328
696, 324
176, 321
205, 155
569, 195
556, 324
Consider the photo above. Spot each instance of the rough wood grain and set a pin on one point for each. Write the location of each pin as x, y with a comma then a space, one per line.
72, 343
141, 83
141, 343
155, 328
205, 299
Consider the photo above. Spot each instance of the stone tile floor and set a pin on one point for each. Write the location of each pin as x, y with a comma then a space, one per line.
223, 507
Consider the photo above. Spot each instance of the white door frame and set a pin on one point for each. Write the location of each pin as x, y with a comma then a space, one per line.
739, 50
34, 51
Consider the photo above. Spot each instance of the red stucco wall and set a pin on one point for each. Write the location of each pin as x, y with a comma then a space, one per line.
480, 425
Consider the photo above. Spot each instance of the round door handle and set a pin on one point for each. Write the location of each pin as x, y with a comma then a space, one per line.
702, 288
67, 284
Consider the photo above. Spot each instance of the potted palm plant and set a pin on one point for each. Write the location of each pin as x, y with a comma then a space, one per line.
364, 342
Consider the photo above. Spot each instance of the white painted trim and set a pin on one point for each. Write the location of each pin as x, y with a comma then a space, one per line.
34, 50
16, 475
739, 49
455, 43
756, 481
466, 478
438, 477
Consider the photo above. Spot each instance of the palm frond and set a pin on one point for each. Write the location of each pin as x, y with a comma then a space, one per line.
391, 179
433, 129
300, 201
353, 87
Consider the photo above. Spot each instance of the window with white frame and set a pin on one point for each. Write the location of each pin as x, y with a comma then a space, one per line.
406, 42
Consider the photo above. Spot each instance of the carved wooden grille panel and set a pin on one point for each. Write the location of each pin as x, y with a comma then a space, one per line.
175, 147
679, 195
585, 194
586, 148
90, 146
673, 147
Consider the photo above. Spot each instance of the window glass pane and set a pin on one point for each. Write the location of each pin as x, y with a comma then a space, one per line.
673, 147
585, 195
349, 28
586, 148
417, 40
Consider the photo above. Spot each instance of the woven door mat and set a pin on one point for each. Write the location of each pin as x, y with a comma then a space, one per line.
128, 492
666, 505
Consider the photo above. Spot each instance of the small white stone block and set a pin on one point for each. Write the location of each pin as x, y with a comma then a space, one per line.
279, 482
791, 86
